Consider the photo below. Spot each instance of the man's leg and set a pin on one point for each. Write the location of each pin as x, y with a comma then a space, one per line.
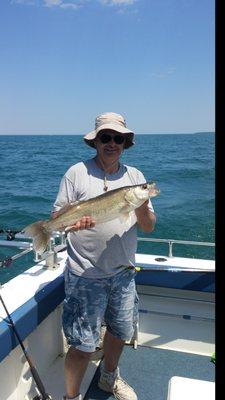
83, 311
110, 379
119, 318
76, 363
113, 348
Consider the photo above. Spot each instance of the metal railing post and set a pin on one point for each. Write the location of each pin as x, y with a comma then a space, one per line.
170, 243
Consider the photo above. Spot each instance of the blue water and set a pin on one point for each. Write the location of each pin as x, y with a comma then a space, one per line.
182, 165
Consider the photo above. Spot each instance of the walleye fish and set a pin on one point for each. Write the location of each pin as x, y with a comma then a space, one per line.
117, 203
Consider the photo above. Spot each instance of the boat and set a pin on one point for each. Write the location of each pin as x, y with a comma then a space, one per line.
171, 355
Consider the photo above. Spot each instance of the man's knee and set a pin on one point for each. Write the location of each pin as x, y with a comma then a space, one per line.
73, 352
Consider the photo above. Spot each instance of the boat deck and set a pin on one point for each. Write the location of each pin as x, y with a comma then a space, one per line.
148, 370
175, 335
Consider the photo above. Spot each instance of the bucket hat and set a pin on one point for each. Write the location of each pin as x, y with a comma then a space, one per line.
110, 120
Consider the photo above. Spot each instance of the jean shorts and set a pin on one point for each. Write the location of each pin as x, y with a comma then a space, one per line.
89, 302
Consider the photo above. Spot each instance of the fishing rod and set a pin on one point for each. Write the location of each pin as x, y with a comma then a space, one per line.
172, 269
43, 395
10, 233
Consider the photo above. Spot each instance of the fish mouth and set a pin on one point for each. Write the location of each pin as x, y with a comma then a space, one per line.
154, 192
152, 189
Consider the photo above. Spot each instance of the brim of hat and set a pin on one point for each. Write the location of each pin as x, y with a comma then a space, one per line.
89, 138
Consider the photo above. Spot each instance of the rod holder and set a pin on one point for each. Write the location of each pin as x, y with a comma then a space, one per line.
51, 260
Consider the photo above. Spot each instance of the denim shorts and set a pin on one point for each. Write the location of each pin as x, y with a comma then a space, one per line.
89, 302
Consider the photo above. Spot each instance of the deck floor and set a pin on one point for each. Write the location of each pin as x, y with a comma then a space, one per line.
148, 370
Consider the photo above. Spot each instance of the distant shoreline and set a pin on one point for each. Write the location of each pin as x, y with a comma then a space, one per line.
203, 133
81, 134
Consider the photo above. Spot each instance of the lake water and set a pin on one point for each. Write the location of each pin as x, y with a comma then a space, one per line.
182, 165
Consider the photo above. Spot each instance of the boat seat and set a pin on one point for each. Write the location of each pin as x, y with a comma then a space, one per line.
186, 389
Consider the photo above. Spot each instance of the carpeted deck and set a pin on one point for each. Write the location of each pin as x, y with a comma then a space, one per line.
148, 371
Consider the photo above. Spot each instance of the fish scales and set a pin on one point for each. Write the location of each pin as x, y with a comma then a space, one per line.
97, 208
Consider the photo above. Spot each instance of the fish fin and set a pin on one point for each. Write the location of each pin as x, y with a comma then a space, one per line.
65, 208
125, 218
39, 234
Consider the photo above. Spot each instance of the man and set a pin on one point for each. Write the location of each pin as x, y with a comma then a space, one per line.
99, 278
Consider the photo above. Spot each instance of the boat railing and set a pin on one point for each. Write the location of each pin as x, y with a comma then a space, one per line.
171, 242
50, 255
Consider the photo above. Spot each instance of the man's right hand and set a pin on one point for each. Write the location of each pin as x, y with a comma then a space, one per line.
83, 223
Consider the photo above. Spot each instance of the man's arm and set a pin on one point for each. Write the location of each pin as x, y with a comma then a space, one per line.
146, 219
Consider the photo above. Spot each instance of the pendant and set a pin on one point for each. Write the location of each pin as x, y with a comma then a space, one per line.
105, 184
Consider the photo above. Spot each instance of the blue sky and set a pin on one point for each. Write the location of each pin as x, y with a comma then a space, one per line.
62, 62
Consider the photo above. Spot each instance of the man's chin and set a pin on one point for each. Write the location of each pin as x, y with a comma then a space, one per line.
112, 153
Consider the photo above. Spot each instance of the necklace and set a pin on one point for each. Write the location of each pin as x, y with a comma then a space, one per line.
105, 186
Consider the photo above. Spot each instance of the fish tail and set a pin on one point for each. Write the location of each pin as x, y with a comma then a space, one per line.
40, 235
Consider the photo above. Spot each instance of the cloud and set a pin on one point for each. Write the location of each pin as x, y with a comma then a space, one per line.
52, 3
61, 4
117, 2
48, 3
165, 74
69, 5
73, 4
26, 2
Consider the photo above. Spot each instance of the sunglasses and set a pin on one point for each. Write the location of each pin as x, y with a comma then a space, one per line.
106, 138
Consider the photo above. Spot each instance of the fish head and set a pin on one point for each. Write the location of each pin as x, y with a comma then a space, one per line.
152, 189
138, 194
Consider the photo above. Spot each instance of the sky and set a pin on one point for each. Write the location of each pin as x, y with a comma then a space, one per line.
63, 62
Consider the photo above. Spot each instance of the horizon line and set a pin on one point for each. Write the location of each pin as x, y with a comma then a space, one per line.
81, 134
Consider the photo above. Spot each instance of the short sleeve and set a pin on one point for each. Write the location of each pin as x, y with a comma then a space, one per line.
65, 194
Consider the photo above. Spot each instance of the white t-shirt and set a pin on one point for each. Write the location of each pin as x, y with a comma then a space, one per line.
101, 251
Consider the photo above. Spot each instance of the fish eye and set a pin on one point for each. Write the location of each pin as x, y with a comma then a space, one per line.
145, 186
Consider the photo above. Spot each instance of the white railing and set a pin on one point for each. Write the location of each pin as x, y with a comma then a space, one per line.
170, 243
50, 255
